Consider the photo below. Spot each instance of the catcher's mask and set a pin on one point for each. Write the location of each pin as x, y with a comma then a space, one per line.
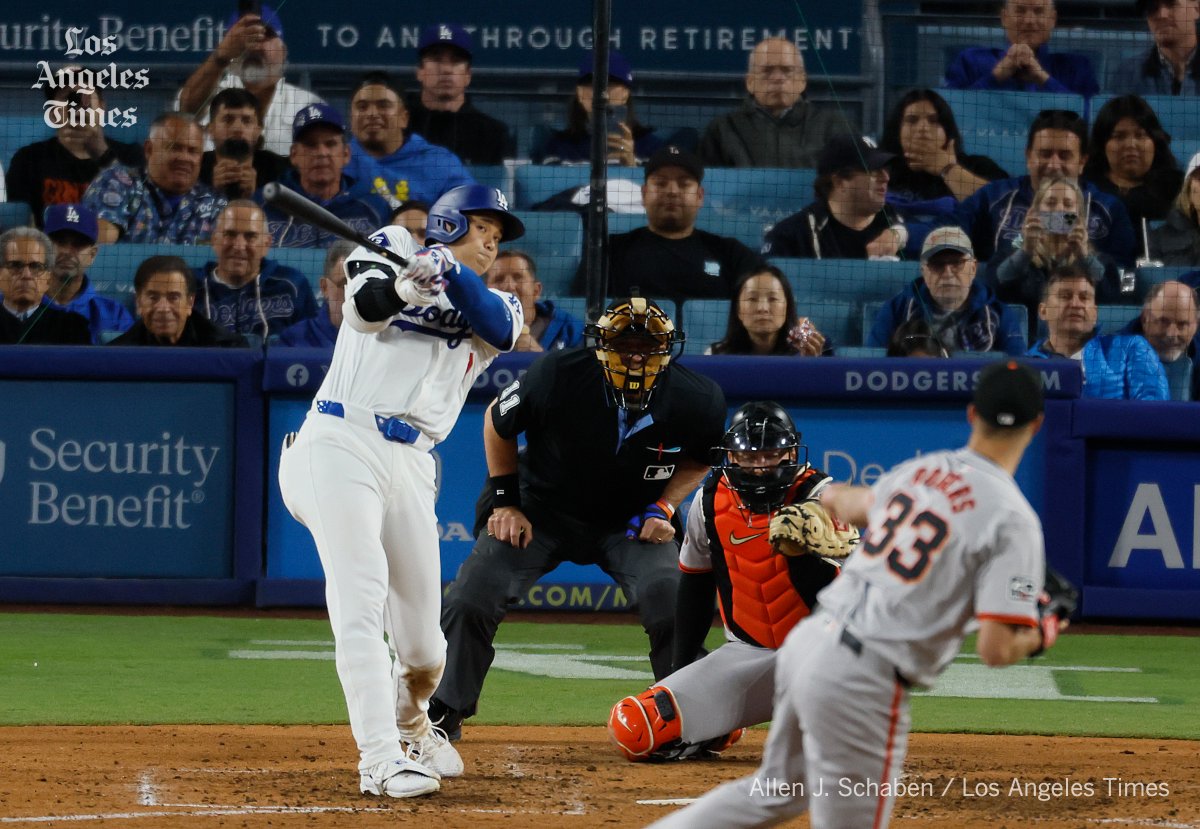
634, 341
760, 455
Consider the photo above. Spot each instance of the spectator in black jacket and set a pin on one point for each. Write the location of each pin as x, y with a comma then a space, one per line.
166, 294
847, 221
670, 257
59, 169
1177, 242
442, 113
1131, 159
26, 316
239, 165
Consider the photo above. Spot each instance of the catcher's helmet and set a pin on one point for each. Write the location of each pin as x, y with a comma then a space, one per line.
761, 426
634, 341
448, 216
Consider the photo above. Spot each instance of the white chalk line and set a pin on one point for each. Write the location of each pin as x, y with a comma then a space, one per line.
228, 811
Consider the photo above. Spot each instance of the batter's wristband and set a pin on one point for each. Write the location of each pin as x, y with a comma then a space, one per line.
506, 490
665, 505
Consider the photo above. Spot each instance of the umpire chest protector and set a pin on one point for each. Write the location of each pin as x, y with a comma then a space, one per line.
761, 593
587, 460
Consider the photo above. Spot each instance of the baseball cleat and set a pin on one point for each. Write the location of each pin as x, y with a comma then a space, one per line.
398, 778
435, 752
450, 720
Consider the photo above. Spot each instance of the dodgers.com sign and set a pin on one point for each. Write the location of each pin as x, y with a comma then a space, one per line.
116, 480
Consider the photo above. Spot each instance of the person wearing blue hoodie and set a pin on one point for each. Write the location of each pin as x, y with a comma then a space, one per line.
962, 312
244, 292
546, 328
321, 331
74, 230
1115, 366
384, 160
319, 157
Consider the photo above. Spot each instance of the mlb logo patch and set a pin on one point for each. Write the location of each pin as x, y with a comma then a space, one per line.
659, 473
1021, 589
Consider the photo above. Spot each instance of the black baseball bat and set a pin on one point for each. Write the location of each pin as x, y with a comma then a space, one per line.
292, 203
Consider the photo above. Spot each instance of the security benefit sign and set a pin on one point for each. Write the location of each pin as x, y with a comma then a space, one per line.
116, 480
1145, 519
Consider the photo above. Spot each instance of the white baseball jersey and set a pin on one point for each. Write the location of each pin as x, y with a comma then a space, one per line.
950, 537
420, 367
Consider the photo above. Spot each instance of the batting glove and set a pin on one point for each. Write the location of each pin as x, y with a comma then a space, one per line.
426, 267
661, 509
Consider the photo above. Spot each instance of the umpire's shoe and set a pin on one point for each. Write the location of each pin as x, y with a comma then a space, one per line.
435, 752
446, 718
398, 778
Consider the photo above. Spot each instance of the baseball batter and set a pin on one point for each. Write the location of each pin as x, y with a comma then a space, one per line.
702, 707
360, 477
949, 540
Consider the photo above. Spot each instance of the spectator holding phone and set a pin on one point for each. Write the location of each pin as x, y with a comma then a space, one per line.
629, 141
1131, 159
238, 165
1053, 234
763, 320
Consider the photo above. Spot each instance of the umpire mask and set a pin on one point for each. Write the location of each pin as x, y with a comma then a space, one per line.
634, 342
759, 457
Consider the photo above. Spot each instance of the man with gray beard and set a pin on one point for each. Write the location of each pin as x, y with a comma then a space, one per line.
251, 55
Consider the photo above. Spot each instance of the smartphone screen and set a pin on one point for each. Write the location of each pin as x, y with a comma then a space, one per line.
616, 116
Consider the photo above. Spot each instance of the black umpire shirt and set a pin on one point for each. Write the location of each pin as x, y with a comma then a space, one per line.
702, 265
576, 464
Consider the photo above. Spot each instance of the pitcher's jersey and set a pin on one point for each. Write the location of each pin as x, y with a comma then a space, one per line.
950, 538
420, 367
761, 594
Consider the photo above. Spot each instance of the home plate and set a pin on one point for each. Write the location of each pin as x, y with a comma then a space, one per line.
674, 801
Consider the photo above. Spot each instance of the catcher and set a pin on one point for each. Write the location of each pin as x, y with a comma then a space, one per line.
758, 539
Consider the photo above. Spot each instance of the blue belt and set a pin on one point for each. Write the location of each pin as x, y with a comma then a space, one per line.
392, 428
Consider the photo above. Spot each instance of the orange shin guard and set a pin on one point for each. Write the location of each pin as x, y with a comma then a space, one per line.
639, 725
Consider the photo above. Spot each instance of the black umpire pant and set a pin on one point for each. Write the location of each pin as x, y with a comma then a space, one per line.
496, 575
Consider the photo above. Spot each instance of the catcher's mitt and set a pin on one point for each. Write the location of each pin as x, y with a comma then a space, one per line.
1058, 601
806, 528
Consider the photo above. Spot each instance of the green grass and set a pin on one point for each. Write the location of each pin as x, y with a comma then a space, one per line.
75, 669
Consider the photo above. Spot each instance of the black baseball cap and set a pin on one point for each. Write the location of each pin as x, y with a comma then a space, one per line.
672, 156
1008, 394
846, 151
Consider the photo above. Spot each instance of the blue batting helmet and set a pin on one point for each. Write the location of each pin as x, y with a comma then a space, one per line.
448, 220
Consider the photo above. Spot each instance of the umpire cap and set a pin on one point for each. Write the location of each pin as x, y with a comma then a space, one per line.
1008, 394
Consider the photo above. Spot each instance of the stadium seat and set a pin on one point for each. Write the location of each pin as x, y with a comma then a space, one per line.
1152, 276
855, 280
555, 241
499, 176
18, 130
860, 351
704, 322
535, 183
1112, 318
15, 214
745, 202
996, 124
309, 261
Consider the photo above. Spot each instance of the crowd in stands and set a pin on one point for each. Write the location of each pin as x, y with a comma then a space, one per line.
998, 261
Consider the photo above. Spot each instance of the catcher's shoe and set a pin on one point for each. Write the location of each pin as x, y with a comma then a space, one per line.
718, 744
398, 778
435, 752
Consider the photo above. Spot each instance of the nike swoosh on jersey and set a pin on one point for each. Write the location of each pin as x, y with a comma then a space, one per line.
735, 541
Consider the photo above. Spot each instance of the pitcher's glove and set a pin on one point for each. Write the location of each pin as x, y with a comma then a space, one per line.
808, 529
1058, 601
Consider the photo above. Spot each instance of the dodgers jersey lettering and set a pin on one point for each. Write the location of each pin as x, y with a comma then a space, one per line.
420, 367
927, 563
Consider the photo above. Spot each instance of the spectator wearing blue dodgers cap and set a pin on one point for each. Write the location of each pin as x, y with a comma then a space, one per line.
441, 112
74, 229
252, 54
319, 155
629, 141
